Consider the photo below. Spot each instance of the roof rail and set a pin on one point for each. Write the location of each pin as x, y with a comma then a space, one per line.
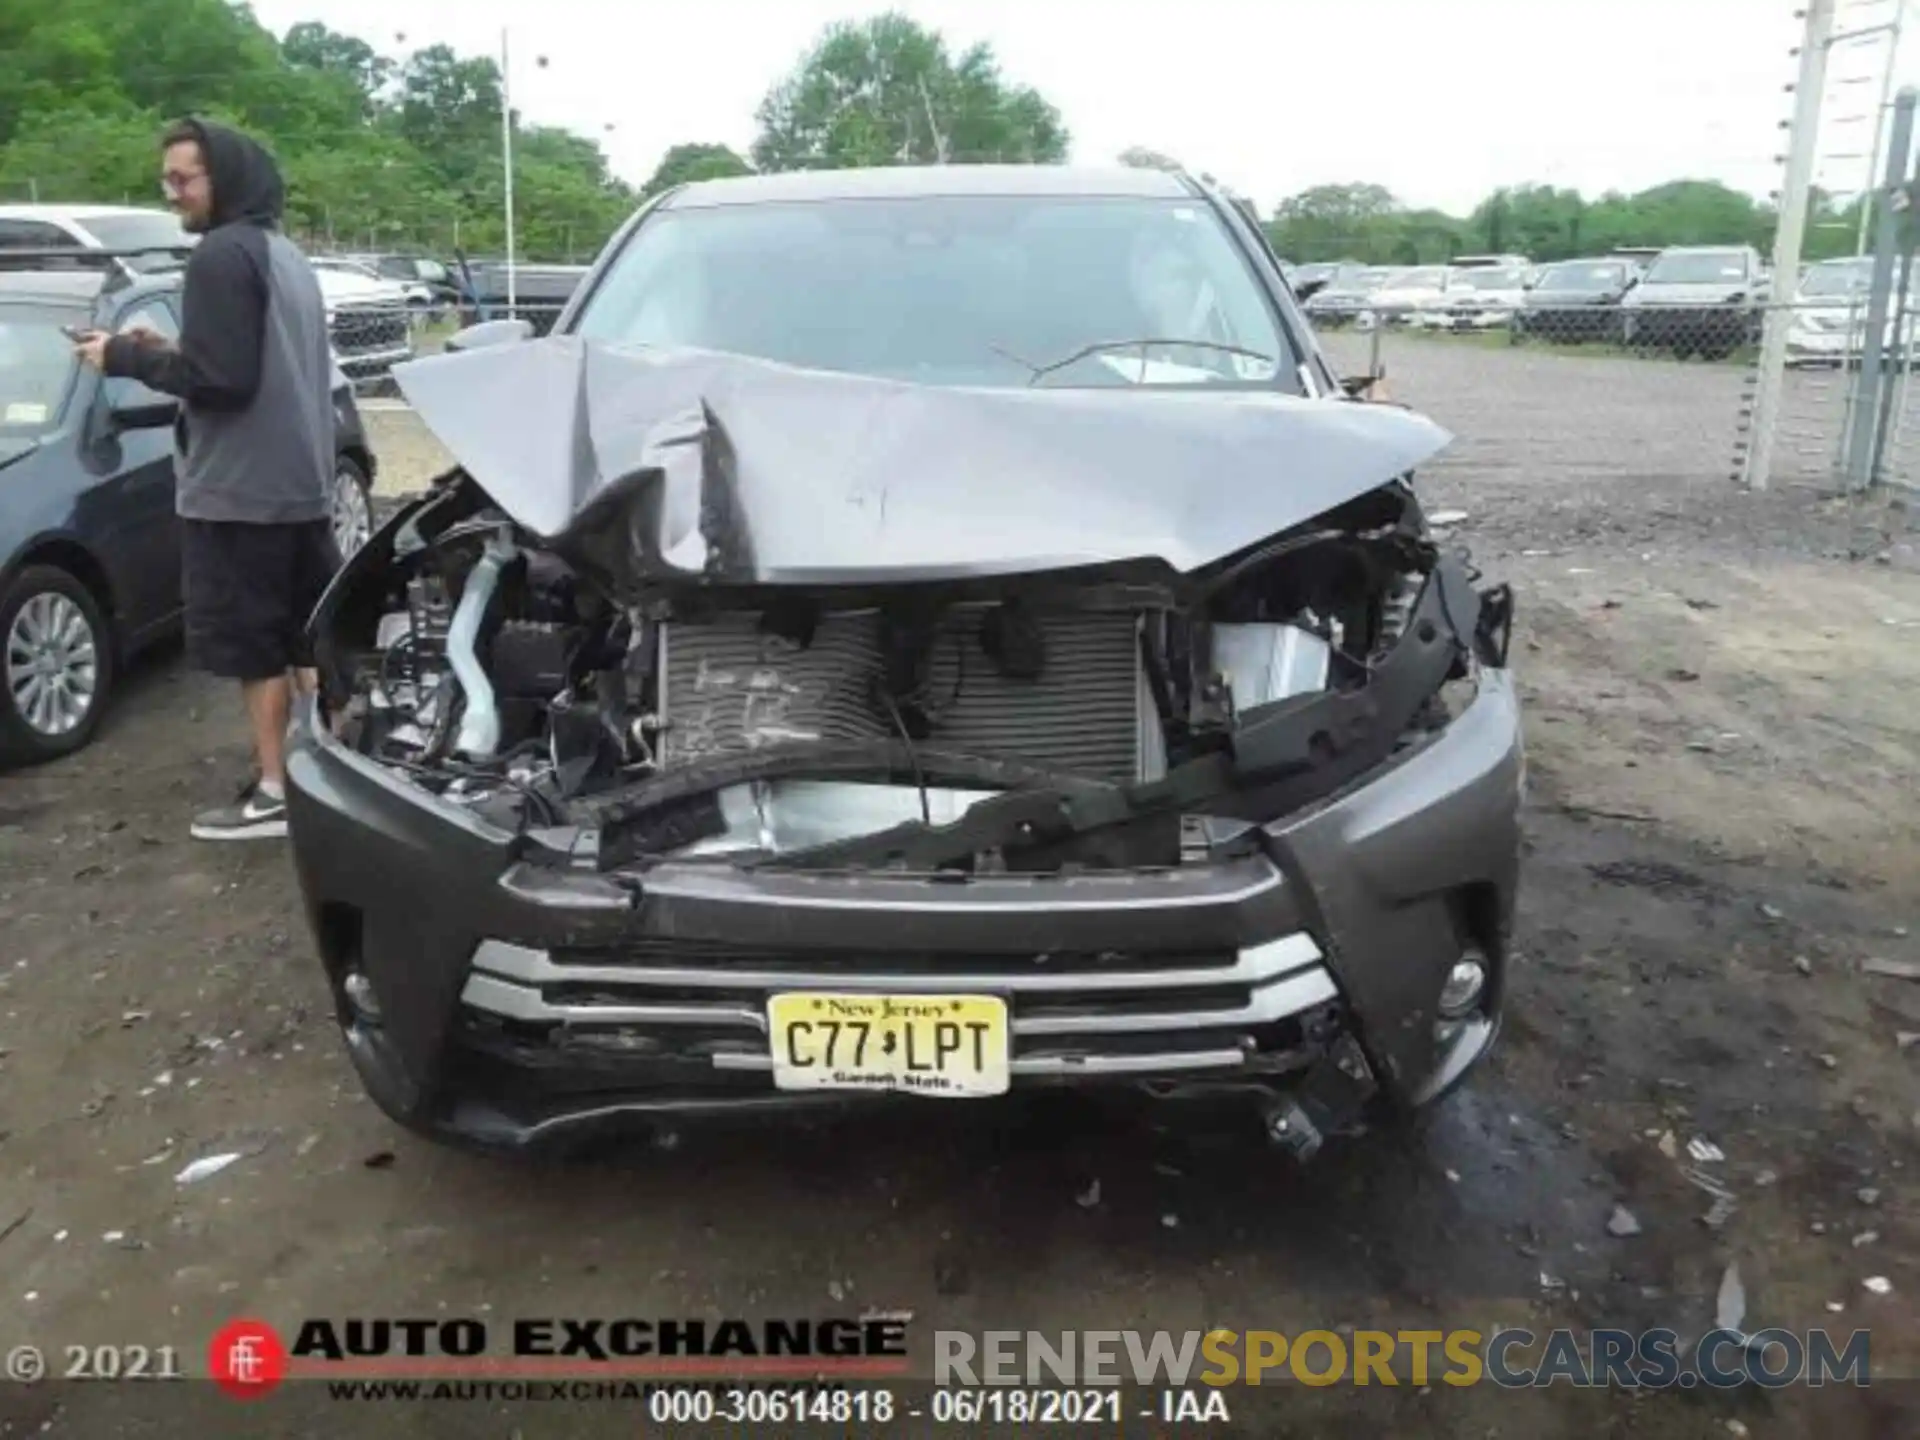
84, 257
35, 257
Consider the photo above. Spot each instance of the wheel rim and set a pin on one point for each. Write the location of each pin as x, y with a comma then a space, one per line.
352, 517
53, 664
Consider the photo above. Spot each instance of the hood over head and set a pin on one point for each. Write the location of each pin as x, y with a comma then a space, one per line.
245, 180
647, 465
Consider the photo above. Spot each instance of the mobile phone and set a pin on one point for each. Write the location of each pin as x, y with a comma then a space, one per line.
75, 333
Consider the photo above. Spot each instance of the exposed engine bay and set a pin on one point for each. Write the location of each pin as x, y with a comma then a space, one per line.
1104, 719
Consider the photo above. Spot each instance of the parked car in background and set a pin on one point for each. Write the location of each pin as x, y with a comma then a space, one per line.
370, 319
538, 292
1320, 273
147, 238
1697, 299
416, 295
144, 239
1483, 297
1412, 296
1575, 300
429, 274
1829, 323
366, 316
89, 543
1347, 296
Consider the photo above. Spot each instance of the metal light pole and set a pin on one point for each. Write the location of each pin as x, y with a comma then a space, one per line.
506, 163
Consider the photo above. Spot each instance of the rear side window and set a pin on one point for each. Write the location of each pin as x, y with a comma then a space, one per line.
34, 235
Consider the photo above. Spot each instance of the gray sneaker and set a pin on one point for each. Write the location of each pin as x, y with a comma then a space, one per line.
253, 816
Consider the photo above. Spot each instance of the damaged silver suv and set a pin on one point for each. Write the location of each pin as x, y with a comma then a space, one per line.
910, 635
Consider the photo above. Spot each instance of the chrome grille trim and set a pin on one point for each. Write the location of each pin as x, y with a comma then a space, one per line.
1269, 1003
1057, 1064
1255, 965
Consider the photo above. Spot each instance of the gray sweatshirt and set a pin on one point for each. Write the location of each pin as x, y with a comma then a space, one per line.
254, 366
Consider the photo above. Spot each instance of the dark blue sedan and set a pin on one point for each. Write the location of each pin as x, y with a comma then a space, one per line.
89, 543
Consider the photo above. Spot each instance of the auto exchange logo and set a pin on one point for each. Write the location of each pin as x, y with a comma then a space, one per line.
248, 1359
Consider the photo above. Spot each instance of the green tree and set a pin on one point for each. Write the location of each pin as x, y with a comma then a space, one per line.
1680, 212
1139, 157
1538, 221
1337, 222
353, 70
376, 149
449, 108
885, 91
97, 152
684, 164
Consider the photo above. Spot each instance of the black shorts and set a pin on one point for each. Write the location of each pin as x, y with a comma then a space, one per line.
249, 590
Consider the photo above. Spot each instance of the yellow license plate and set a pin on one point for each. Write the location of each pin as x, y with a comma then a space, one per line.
941, 1045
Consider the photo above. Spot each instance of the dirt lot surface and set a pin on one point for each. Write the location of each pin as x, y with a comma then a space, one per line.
1723, 737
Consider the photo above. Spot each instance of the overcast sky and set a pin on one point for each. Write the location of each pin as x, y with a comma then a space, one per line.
1439, 100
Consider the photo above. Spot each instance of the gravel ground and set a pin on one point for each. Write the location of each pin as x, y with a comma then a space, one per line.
1720, 831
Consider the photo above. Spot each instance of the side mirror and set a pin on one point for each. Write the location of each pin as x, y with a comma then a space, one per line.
491, 332
134, 407
1306, 289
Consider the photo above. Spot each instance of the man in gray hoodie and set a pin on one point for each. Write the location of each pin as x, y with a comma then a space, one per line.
253, 371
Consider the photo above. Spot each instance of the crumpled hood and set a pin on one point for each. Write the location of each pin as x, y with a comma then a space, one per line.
655, 464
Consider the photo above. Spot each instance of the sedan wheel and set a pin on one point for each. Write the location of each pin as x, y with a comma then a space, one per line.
52, 664
56, 665
352, 508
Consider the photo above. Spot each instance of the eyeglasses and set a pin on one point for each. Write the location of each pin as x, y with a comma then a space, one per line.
174, 181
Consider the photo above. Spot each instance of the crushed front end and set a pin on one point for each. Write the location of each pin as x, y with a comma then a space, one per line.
586, 844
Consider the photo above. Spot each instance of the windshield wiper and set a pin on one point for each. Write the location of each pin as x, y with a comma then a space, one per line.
1100, 347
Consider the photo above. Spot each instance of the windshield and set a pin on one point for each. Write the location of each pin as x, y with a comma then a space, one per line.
36, 367
972, 290
1847, 277
1583, 277
1702, 268
138, 231
1492, 277
1426, 277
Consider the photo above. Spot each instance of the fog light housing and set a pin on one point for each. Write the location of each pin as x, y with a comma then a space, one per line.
360, 995
1465, 984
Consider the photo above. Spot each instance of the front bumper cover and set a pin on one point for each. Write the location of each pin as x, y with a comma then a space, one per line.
520, 1004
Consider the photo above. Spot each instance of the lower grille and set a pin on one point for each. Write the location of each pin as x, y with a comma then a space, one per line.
729, 687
